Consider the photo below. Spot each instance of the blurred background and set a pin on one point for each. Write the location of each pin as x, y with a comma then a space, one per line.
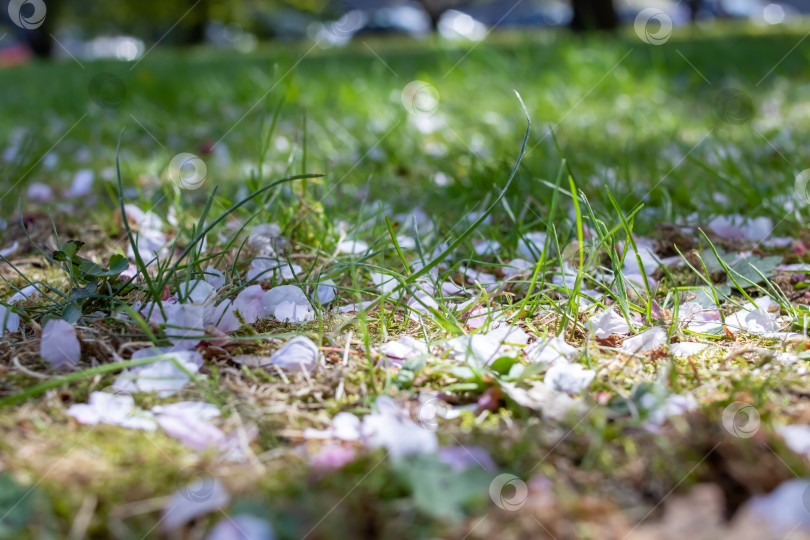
83, 29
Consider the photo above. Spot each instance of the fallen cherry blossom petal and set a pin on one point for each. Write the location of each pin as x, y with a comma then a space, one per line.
392, 429
242, 527
325, 291
300, 353
400, 350
113, 409
249, 303
59, 344
649, 339
9, 321
288, 303
196, 499
607, 323
569, 378
352, 247
163, 377
686, 348
333, 456
82, 184
214, 277
460, 458
549, 351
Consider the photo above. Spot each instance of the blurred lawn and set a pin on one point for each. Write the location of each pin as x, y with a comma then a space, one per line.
650, 122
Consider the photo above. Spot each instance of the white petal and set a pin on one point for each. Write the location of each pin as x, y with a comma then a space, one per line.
197, 499
249, 303
288, 303
569, 378
82, 184
352, 247
298, 353
647, 340
326, 291
686, 348
214, 277
59, 345
607, 323
9, 321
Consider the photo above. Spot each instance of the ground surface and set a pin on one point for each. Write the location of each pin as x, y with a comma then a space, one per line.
697, 146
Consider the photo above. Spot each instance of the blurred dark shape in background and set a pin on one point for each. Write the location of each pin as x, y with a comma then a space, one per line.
88, 29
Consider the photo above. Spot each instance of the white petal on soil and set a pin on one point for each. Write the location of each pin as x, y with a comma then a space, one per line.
659, 410
263, 237
9, 321
607, 323
113, 409
164, 377
196, 291
222, 316
242, 527
288, 303
249, 303
325, 292
391, 428
82, 184
783, 509
386, 283
483, 349
487, 247
351, 308
420, 304
352, 247
550, 351
59, 345
698, 318
214, 277
29, 291
530, 246
185, 324
404, 348
569, 378
797, 438
647, 340
298, 353
686, 348
40, 193
517, 266
9, 251
539, 396
345, 426
200, 497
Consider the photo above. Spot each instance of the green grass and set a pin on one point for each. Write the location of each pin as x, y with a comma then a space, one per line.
625, 138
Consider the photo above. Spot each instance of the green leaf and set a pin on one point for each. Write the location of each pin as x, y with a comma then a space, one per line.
59, 256
86, 292
503, 364
71, 313
16, 503
72, 247
747, 268
90, 268
441, 492
117, 264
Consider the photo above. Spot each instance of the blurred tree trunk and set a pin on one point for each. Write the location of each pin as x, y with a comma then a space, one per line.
594, 15
198, 20
436, 8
